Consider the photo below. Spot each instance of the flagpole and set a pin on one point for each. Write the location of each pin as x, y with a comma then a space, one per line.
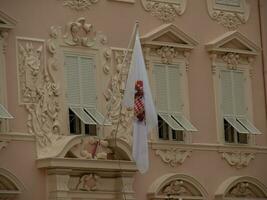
136, 25
123, 61
117, 126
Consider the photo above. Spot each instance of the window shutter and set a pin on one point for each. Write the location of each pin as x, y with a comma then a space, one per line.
4, 114
226, 92
161, 87
88, 85
239, 93
73, 81
174, 88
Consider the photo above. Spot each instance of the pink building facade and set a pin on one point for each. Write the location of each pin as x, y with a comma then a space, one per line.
64, 65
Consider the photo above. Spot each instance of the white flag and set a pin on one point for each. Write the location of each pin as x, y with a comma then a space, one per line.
137, 95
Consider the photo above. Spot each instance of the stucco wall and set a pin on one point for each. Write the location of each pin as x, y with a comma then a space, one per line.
116, 20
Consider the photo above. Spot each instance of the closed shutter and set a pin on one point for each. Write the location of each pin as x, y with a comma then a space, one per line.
239, 93
88, 83
73, 79
161, 87
226, 92
174, 88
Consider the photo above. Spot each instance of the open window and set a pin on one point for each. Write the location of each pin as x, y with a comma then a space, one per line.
167, 51
237, 126
232, 56
169, 102
84, 116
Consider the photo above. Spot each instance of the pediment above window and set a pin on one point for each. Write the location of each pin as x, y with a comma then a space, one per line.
6, 22
169, 35
233, 42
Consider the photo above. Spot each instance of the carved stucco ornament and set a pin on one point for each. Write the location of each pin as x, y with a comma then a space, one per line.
91, 148
241, 190
3, 144
176, 187
79, 4
88, 182
238, 159
165, 10
173, 156
120, 117
167, 54
232, 60
78, 33
38, 91
229, 13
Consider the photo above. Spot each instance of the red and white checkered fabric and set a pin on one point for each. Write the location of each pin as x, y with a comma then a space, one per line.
139, 106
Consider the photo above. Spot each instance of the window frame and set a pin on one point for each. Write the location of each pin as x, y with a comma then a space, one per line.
182, 65
91, 54
245, 69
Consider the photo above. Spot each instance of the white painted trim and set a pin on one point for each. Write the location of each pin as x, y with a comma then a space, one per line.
16, 136
83, 164
27, 39
14, 179
163, 145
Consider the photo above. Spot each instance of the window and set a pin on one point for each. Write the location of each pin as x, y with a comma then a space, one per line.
169, 102
237, 126
4, 114
81, 95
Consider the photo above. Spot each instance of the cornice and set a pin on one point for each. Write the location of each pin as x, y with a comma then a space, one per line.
16, 136
84, 164
208, 147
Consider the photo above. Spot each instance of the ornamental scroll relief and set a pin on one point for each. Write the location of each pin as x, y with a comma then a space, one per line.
238, 159
241, 190
173, 156
38, 90
79, 4
229, 13
38, 87
121, 118
165, 11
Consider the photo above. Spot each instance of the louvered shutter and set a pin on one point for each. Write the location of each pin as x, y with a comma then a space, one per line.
73, 80
239, 93
4, 114
161, 87
174, 88
88, 83
226, 92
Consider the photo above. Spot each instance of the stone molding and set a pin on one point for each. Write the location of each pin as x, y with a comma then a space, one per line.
79, 5
230, 14
174, 185
155, 145
3, 144
233, 49
11, 186
121, 118
165, 11
173, 157
238, 159
91, 179
15, 136
6, 22
241, 187
40, 72
39, 90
